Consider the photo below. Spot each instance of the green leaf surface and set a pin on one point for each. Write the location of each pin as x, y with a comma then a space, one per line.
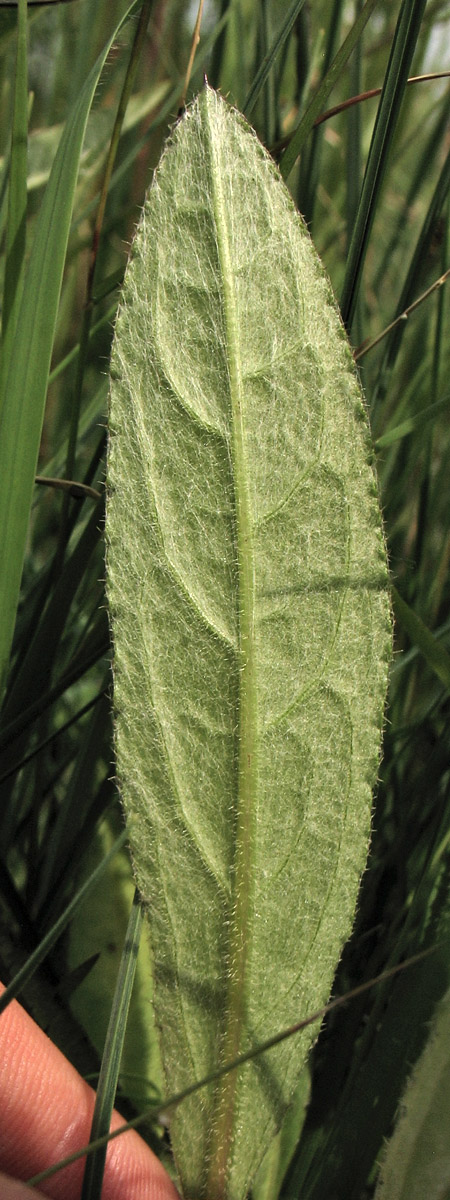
17, 199
435, 654
248, 592
400, 59
40, 953
413, 423
306, 123
114, 1044
98, 931
282, 1148
417, 1159
270, 58
30, 354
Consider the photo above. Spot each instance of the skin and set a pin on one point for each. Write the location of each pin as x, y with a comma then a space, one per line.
45, 1114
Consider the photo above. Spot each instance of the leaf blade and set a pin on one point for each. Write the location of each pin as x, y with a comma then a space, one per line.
17, 197
306, 123
417, 1157
30, 353
230, 422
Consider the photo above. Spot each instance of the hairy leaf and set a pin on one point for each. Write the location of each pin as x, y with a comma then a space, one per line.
247, 587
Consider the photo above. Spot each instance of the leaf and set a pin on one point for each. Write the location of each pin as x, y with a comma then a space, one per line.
417, 1158
112, 1054
30, 353
275, 1163
98, 932
17, 199
247, 586
434, 653
270, 58
407, 31
317, 104
39, 955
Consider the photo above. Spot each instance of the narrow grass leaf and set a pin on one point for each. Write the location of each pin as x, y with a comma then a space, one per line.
405, 39
22, 411
74, 811
427, 152
94, 647
416, 1162
36, 667
17, 200
309, 174
281, 1150
48, 741
412, 424
434, 653
248, 594
414, 274
43, 949
136, 48
320, 97
109, 905
110, 1067
272, 54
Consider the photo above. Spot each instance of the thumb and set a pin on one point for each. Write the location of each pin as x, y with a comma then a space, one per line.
12, 1189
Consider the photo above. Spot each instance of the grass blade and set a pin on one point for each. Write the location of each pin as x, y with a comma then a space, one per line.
406, 34
39, 955
22, 412
395, 336
17, 201
110, 1067
416, 1161
434, 653
411, 424
319, 100
271, 56
309, 174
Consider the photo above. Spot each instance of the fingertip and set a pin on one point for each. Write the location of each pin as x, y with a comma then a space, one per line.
46, 1113
13, 1189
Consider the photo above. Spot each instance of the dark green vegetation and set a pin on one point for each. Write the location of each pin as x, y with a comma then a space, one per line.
383, 244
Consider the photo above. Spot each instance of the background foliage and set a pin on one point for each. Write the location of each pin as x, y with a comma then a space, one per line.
59, 808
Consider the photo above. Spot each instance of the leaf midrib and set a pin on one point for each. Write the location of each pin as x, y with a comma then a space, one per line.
221, 1134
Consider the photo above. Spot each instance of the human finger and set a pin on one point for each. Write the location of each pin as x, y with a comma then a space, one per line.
46, 1112
13, 1189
